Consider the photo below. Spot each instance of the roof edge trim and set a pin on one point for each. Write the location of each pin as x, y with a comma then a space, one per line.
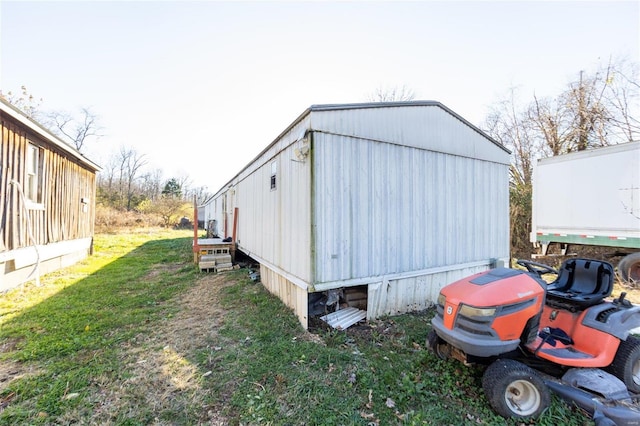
336, 107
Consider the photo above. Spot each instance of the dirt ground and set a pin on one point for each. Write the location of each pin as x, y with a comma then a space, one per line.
163, 379
158, 375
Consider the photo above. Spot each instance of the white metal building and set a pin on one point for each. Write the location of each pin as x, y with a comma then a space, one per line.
397, 198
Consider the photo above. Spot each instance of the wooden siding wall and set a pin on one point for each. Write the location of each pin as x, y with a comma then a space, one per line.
63, 184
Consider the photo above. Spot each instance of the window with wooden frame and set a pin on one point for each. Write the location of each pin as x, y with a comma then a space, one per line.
274, 172
33, 186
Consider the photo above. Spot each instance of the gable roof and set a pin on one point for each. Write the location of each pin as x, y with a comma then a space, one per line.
425, 125
372, 105
499, 151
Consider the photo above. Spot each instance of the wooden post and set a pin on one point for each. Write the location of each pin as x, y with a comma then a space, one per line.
225, 215
196, 247
235, 224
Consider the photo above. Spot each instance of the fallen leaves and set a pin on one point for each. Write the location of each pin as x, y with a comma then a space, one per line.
368, 416
352, 378
390, 403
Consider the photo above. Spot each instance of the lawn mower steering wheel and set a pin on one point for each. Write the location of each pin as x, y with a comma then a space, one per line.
539, 269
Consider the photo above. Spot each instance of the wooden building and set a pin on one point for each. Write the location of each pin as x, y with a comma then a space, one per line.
47, 200
383, 203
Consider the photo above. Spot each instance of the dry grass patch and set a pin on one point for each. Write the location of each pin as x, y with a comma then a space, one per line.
163, 376
165, 268
10, 371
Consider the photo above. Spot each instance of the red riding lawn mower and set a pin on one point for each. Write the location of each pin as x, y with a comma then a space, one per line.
536, 336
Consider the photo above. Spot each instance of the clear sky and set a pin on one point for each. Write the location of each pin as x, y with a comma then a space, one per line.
200, 88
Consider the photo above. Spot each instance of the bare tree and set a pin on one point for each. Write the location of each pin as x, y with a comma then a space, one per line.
184, 181
548, 118
24, 101
201, 193
107, 182
170, 209
391, 94
77, 131
513, 128
130, 164
151, 184
621, 97
587, 113
596, 109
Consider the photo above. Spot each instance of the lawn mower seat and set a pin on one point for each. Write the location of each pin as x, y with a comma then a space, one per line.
581, 283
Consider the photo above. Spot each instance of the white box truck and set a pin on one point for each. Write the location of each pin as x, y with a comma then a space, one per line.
591, 198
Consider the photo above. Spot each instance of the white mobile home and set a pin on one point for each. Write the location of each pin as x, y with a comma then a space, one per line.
394, 199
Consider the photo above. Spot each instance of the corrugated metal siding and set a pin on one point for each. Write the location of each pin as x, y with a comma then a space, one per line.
382, 208
210, 211
394, 297
291, 295
274, 225
405, 199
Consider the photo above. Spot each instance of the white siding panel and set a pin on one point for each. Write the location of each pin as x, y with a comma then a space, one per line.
212, 210
392, 297
382, 208
275, 225
291, 295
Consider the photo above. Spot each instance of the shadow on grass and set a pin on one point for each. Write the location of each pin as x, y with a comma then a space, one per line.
56, 349
90, 354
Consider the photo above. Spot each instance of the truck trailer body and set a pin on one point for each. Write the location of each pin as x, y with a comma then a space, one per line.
590, 198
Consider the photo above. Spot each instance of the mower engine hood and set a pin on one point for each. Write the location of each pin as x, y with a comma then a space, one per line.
494, 288
486, 314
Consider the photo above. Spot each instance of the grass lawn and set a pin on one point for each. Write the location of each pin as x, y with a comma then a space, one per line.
135, 335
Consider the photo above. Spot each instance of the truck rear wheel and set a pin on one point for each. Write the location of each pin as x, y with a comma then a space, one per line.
629, 268
626, 364
515, 390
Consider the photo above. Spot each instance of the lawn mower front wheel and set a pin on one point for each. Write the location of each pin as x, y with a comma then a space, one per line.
439, 347
515, 390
